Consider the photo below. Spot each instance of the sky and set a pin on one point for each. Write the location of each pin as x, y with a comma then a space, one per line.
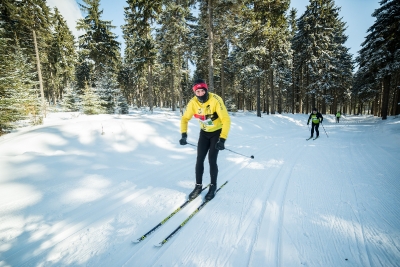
356, 14
78, 190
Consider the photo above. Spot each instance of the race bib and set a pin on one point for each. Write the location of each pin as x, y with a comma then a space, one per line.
207, 122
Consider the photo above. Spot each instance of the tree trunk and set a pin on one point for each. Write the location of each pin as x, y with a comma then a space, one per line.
180, 87
385, 97
301, 90
150, 86
266, 96
210, 47
258, 98
280, 98
173, 98
39, 73
222, 78
54, 87
395, 96
271, 80
323, 108
398, 98
293, 92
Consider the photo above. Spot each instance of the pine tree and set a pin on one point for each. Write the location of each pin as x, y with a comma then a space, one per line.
107, 90
99, 55
263, 36
380, 53
18, 96
70, 100
171, 37
294, 86
61, 56
29, 27
123, 107
140, 45
91, 102
98, 42
319, 51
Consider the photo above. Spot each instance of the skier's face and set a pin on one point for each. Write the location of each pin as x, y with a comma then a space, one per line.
200, 92
314, 111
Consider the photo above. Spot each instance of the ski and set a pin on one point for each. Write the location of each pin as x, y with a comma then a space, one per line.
308, 138
187, 219
165, 220
315, 138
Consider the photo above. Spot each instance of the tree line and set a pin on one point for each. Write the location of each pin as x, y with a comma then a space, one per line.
257, 54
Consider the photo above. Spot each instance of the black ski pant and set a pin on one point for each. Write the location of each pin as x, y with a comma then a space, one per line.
206, 144
314, 125
337, 119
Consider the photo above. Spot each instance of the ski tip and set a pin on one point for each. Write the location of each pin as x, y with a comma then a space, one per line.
135, 241
158, 245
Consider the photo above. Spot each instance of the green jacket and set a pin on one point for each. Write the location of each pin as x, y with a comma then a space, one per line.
316, 118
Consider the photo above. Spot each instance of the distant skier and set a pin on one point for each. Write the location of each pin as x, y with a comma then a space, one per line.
337, 116
316, 119
209, 109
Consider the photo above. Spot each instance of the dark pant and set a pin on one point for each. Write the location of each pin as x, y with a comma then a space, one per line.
206, 144
313, 125
337, 119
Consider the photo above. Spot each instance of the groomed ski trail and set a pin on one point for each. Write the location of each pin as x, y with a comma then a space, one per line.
268, 240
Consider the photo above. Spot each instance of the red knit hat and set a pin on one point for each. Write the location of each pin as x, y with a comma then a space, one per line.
199, 84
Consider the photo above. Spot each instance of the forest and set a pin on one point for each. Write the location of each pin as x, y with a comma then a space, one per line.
256, 54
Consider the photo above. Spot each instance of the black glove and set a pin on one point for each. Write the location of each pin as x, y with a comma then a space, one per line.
220, 144
183, 139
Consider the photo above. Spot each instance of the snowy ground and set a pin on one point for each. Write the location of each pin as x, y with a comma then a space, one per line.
77, 190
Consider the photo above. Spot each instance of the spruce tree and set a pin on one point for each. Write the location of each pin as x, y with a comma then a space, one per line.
380, 53
107, 90
70, 100
99, 55
264, 34
18, 96
61, 56
123, 107
171, 37
91, 102
29, 27
140, 45
319, 54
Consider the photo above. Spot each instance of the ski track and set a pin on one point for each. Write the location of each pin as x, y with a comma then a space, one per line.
244, 225
267, 247
147, 246
358, 225
206, 226
346, 203
372, 235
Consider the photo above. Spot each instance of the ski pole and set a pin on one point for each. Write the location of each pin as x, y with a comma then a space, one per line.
191, 144
324, 129
252, 157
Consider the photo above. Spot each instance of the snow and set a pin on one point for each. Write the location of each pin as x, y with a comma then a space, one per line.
77, 190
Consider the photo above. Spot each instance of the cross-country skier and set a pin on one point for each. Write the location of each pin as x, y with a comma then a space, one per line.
316, 119
209, 109
337, 116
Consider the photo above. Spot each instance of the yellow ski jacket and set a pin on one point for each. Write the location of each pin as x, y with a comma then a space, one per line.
212, 115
